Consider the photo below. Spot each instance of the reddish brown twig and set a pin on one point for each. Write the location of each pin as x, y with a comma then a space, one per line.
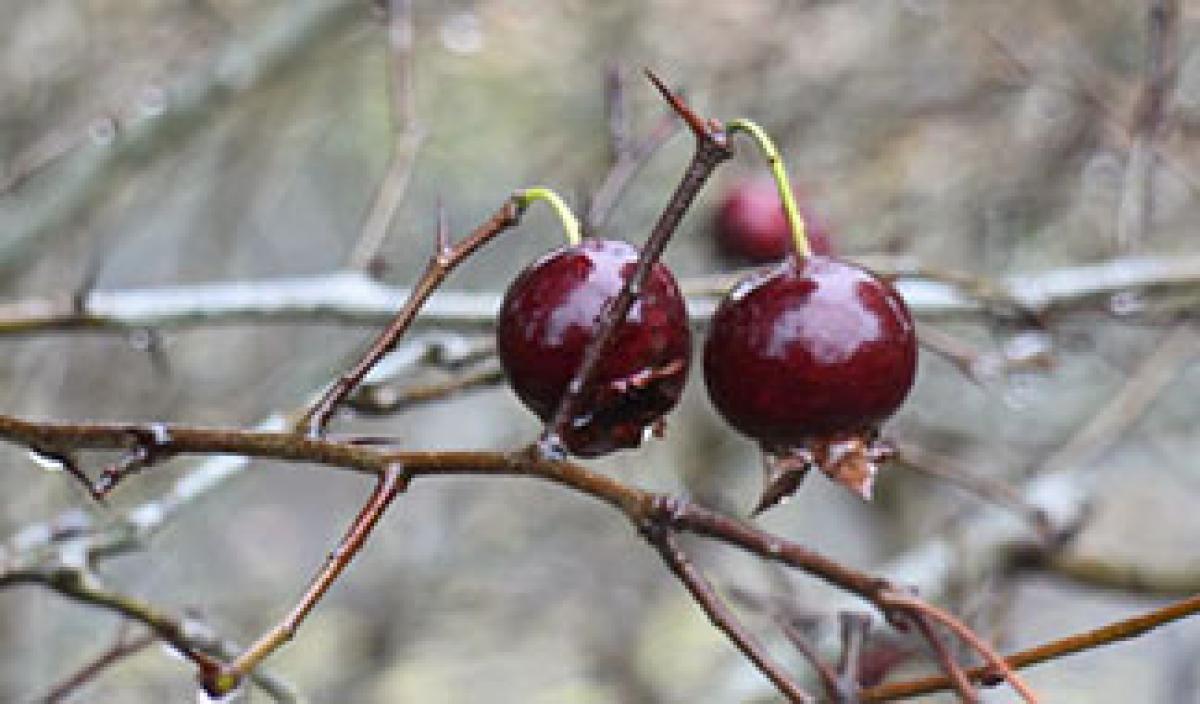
712, 148
664, 540
1062, 647
954, 672
825, 673
391, 482
914, 607
443, 261
121, 649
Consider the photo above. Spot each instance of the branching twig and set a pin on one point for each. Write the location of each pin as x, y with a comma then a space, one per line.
391, 482
1088, 640
719, 614
954, 672
642, 508
445, 258
912, 606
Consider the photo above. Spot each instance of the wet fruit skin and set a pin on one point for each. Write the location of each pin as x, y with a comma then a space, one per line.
550, 315
809, 349
752, 226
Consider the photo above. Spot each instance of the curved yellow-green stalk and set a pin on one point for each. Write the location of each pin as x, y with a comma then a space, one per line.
570, 224
799, 238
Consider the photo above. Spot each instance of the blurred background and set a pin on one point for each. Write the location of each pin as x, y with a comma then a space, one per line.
159, 143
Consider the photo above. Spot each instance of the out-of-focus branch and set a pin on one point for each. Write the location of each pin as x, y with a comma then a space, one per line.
119, 650
84, 173
353, 297
60, 557
1123, 575
1161, 67
406, 138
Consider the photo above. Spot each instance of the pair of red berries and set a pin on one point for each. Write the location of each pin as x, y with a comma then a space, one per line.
806, 356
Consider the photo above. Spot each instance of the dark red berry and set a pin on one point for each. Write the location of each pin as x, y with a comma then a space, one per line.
808, 357
550, 315
752, 226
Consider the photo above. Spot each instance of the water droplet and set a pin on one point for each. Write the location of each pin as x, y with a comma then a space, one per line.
160, 433
47, 462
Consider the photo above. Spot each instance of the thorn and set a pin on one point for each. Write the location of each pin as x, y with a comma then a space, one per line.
695, 123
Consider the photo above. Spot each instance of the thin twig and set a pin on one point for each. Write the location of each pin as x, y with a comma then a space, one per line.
391, 482
719, 614
441, 263
628, 163
954, 672
1175, 349
920, 459
712, 148
121, 649
911, 605
1161, 67
1053, 650
829, 678
384, 399
406, 139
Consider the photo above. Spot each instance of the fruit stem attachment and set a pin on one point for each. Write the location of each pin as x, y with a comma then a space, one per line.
795, 221
570, 224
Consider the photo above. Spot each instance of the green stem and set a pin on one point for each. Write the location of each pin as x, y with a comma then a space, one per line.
781, 181
570, 224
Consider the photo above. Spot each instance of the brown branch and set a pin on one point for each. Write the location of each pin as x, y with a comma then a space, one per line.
1077, 643
391, 482
640, 507
721, 616
443, 261
712, 148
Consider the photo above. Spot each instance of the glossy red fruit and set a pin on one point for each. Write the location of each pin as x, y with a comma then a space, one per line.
808, 357
548, 318
752, 226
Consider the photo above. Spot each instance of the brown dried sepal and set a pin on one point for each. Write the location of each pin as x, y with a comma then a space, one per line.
851, 460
